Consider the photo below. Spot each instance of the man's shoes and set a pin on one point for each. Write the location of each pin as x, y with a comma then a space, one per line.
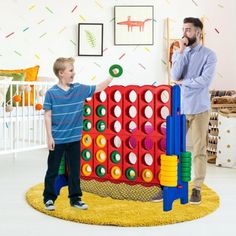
195, 197
158, 197
49, 205
79, 204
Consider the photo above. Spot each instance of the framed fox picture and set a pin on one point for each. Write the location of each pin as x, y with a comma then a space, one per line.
133, 25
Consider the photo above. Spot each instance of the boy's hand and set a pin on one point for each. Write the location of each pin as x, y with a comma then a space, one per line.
51, 144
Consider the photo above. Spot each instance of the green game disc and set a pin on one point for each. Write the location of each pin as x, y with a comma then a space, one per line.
113, 68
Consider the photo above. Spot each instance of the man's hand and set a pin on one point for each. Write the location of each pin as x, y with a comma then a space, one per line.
183, 44
179, 82
51, 144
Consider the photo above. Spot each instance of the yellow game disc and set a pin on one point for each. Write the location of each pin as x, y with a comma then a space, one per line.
115, 172
86, 140
101, 156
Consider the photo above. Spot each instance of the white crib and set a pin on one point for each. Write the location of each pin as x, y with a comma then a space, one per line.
22, 123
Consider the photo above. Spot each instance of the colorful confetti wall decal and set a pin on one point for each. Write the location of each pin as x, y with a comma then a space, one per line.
25, 29
7, 36
122, 56
73, 42
95, 63
74, 9
41, 21
61, 30
82, 18
47, 8
195, 3
16, 52
32, 7
42, 35
98, 4
217, 31
142, 66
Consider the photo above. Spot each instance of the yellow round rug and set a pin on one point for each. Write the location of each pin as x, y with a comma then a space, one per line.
108, 211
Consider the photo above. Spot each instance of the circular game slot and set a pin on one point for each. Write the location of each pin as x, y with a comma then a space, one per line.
148, 159
162, 128
148, 128
87, 125
147, 175
165, 96
100, 171
86, 154
132, 111
101, 111
132, 142
115, 157
164, 112
130, 173
86, 169
87, 110
132, 126
86, 140
148, 112
117, 142
117, 96
101, 126
102, 96
117, 126
117, 111
101, 156
147, 143
101, 141
132, 158
162, 144
148, 96
115, 172
132, 96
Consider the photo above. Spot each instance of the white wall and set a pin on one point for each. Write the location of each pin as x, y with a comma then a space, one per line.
54, 34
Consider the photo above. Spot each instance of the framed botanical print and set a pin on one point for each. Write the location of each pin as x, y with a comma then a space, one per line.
90, 39
133, 25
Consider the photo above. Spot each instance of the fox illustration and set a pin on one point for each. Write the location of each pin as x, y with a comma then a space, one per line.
132, 24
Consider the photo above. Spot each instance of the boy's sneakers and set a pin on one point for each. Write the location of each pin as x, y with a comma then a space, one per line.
49, 205
195, 197
158, 197
79, 204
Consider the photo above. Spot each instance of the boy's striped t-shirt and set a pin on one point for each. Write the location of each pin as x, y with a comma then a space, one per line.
67, 111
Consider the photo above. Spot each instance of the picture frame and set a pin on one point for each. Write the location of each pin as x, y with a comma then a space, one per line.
134, 25
90, 39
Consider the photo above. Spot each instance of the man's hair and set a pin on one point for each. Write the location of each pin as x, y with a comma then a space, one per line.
195, 21
60, 64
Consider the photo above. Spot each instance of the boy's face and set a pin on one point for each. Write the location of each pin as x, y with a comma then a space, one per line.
68, 74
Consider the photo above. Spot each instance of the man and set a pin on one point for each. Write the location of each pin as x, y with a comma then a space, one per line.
193, 69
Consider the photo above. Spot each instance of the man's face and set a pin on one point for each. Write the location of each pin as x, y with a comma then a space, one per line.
191, 33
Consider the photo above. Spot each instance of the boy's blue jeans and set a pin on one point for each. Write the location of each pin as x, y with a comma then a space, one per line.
73, 160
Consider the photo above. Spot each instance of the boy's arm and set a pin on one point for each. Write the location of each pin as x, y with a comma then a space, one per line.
103, 85
48, 124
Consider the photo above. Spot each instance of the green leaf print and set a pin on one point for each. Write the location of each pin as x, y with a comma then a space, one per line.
91, 38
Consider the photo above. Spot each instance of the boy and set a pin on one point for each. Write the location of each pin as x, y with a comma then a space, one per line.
63, 107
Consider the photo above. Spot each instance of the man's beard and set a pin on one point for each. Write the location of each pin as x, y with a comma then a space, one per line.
191, 41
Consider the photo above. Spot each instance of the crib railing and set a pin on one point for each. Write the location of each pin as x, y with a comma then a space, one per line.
21, 116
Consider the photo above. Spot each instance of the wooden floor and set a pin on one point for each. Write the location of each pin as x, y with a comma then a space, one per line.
17, 218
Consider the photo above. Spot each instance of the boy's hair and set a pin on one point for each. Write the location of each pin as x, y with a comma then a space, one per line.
195, 21
60, 64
